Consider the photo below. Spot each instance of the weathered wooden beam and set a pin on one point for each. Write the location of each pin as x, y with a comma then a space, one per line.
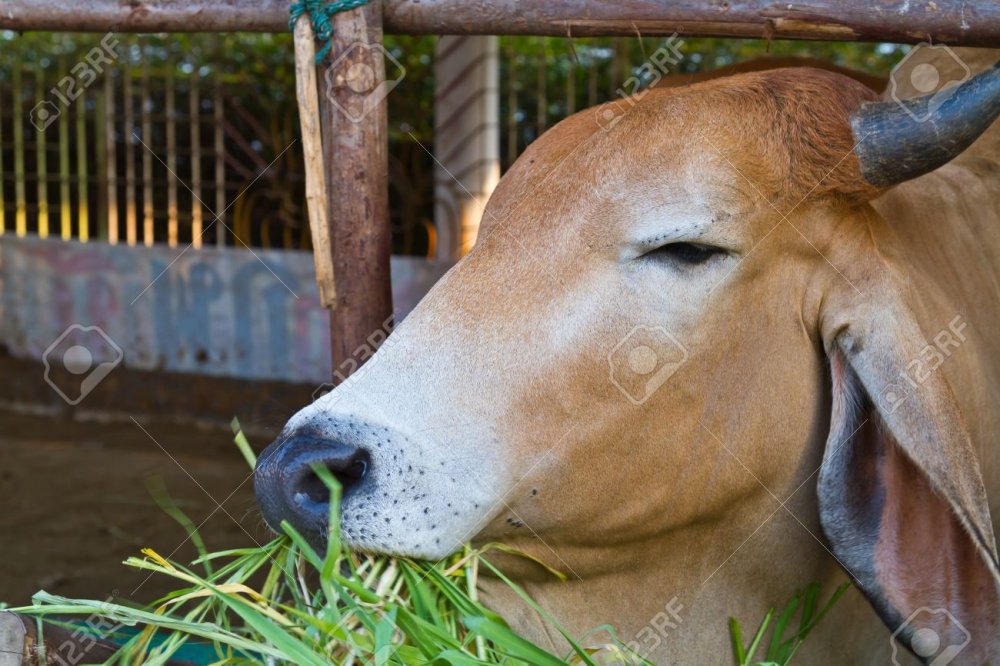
317, 201
353, 122
955, 22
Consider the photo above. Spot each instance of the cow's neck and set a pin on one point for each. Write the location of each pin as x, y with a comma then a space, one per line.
674, 595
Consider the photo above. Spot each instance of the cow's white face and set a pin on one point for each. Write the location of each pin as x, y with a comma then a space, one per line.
568, 376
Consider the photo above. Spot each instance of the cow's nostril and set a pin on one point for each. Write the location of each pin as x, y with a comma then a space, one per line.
312, 488
288, 487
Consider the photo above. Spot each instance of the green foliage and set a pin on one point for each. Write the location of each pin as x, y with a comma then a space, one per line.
286, 603
782, 646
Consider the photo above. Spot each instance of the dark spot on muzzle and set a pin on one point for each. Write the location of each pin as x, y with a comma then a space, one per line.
288, 488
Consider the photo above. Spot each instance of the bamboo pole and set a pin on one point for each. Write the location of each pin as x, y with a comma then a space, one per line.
953, 22
65, 205
312, 149
82, 175
220, 162
41, 166
109, 159
171, 109
131, 233
148, 211
194, 108
20, 197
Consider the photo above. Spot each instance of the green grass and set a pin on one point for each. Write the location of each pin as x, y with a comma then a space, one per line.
784, 643
286, 603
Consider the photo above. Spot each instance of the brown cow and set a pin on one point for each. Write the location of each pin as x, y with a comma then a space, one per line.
738, 339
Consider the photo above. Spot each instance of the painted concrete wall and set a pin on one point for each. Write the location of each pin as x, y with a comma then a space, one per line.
223, 312
466, 138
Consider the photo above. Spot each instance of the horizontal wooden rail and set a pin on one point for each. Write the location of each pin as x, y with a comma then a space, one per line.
955, 22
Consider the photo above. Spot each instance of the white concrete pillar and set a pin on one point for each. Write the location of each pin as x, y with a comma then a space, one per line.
466, 138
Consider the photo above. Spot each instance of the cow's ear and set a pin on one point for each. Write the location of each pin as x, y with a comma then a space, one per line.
901, 497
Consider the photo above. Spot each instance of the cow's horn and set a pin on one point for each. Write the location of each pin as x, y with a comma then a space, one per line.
900, 140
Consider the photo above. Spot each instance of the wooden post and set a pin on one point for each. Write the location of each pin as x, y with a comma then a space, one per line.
317, 201
952, 22
355, 153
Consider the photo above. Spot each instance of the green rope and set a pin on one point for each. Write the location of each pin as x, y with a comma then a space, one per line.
321, 14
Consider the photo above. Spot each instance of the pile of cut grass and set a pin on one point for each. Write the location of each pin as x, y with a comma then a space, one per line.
286, 603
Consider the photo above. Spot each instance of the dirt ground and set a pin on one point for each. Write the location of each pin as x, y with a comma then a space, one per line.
74, 503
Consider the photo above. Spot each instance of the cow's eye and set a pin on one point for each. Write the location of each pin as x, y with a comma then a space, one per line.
685, 253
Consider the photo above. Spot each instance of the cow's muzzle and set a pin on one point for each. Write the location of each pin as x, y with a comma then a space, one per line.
288, 488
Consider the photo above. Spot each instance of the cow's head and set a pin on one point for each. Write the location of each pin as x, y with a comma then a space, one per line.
624, 313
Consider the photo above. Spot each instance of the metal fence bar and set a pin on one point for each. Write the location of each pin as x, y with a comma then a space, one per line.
194, 102
3, 201
41, 167
147, 160
511, 103
131, 234
571, 87
171, 109
109, 228
82, 173
541, 103
20, 196
220, 163
65, 210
